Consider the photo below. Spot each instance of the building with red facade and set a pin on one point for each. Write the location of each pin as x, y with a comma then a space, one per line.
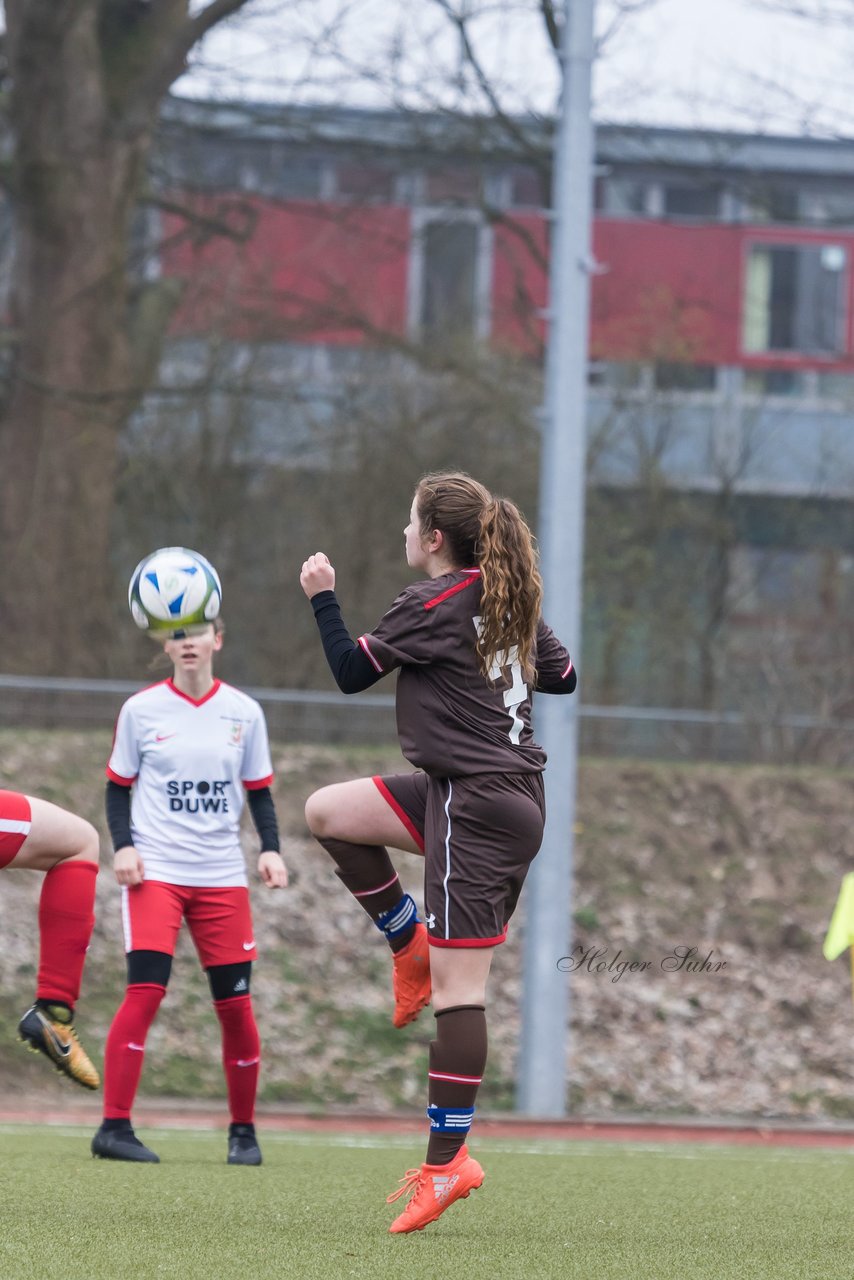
362, 295
327, 246
722, 272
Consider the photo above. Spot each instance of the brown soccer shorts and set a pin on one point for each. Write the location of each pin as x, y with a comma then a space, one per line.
479, 834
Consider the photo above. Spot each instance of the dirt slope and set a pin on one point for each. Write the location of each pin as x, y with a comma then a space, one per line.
741, 864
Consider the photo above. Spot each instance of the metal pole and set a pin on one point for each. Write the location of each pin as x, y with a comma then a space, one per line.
542, 1077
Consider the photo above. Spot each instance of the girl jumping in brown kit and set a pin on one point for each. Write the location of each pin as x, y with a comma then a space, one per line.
470, 646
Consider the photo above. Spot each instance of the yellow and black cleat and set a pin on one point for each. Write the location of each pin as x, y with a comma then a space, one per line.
45, 1031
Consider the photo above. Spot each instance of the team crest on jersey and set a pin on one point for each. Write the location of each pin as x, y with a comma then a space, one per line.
236, 734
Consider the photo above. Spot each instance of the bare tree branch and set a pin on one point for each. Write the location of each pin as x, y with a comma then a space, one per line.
552, 26
624, 11
460, 20
235, 219
171, 60
824, 12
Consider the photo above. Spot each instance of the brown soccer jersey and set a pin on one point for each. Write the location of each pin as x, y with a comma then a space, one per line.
452, 721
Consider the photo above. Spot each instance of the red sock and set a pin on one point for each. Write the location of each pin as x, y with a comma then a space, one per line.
241, 1055
125, 1048
66, 919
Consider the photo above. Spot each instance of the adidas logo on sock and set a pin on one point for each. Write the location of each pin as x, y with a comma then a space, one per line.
241, 985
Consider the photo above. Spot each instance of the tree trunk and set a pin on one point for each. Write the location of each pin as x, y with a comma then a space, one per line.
76, 180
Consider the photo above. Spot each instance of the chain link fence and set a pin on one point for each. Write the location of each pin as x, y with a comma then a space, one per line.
299, 715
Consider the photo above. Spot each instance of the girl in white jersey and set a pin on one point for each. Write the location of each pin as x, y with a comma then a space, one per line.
190, 747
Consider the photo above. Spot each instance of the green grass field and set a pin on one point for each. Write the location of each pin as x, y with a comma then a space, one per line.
597, 1211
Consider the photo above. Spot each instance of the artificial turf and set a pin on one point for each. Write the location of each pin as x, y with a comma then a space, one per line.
316, 1208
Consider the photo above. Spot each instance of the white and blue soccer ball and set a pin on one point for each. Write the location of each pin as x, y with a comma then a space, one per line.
173, 589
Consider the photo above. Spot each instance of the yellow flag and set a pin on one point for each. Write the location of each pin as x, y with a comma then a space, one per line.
840, 934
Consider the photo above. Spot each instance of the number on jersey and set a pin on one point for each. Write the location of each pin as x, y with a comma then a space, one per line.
518, 691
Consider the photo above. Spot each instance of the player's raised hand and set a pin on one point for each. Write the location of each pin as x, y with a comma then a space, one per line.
317, 575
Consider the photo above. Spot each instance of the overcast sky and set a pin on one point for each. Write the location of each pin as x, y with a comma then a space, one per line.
735, 63
727, 63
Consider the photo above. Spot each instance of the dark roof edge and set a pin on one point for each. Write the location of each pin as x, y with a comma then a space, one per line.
445, 132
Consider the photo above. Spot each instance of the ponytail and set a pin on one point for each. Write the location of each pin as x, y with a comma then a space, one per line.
512, 590
491, 533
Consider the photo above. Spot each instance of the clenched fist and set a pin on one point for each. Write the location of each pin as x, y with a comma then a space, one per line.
317, 575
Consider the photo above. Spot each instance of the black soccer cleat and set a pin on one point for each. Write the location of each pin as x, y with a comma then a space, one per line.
122, 1144
243, 1145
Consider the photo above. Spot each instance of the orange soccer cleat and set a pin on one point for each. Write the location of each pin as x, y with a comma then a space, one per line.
411, 977
434, 1187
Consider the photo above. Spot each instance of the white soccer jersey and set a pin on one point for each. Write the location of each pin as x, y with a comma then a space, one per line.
189, 763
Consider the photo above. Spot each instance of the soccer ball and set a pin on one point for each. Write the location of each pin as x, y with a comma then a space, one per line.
172, 590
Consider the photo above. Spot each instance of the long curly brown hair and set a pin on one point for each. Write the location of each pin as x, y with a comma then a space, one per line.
490, 533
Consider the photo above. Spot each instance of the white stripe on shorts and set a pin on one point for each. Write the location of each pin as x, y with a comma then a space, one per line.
126, 929
14, 827
448, 860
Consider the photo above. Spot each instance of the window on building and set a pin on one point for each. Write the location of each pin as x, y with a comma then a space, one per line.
624, 197
201, 161
684, 200
458, 184
285, 176
670, 376
210, 162
831, 208
625, 375
794, 298
837, 387
528, 187
773, 382
615, 376
449, 275
367, 182
773, 202
772, 582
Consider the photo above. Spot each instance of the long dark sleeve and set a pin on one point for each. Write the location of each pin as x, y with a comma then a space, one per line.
560, 684
555, 670
349, 664
260, 800
118, 814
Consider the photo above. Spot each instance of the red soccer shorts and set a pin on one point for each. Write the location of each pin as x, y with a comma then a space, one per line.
219, 920
14, 824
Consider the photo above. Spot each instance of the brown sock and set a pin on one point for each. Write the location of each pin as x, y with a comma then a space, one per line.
457, 1062
367, 871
